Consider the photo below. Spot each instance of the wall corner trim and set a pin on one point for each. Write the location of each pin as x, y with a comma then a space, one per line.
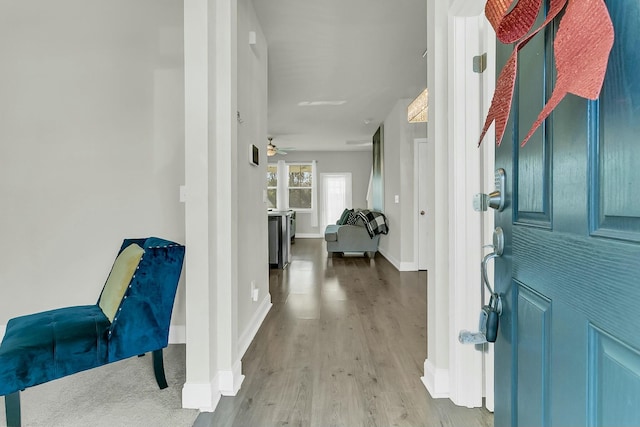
408, 266
230, 381
201, 396
177, 334
436, 380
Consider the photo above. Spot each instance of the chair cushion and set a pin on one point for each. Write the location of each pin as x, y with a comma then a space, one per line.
121, 273
142, 321
45, 346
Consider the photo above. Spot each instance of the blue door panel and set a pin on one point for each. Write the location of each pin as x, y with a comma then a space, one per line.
569, 167
568, 381
531, 174
614, 386
615, 154
533, 319
532, 195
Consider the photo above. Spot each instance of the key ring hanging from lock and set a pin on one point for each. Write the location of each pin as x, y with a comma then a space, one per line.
498, 248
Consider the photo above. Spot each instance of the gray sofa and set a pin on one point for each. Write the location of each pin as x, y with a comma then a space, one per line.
350, 238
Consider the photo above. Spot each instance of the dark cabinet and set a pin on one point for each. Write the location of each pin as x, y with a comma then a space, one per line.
279, 239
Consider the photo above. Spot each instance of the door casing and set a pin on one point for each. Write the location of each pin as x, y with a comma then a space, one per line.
467, 170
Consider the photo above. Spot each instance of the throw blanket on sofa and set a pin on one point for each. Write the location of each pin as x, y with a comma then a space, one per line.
375, 222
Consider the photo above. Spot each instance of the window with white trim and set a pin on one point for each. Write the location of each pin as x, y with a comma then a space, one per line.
296, 184
272, 186
300, 186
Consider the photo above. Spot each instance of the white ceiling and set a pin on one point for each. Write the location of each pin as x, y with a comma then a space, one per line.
368, 53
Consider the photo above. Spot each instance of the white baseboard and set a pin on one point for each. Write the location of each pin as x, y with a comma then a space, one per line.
252, 329
408, 266
436, 380
389, 258
202, 396
177, 334
229, 382
309, 236
399, 265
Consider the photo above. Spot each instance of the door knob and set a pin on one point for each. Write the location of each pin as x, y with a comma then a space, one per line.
421, 212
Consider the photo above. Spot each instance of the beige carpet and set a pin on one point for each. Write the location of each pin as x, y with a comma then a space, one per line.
122, 394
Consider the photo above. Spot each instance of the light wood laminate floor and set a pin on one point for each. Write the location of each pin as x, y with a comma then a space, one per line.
343, 345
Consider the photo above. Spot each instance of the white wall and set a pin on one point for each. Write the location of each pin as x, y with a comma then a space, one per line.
91, 143
399, 135
253, 259
356, 162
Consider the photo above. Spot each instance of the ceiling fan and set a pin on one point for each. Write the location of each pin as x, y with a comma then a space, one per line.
272, 150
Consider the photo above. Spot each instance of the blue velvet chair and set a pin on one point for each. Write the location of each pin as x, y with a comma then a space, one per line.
131, 318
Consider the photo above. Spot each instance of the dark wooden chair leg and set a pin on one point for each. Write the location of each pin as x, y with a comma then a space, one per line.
12, 409
158, 368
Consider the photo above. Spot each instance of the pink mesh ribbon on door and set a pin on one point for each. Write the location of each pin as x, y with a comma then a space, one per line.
581, 50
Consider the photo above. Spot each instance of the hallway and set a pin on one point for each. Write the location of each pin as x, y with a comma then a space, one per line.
343, 345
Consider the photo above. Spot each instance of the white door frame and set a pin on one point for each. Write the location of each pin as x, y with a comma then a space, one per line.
472, 172
465, 238
454, 370
488, 167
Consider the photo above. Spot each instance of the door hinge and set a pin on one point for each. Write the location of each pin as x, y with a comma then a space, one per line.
480, 63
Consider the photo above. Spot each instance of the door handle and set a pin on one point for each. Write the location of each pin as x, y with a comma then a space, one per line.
489, 314
498, 249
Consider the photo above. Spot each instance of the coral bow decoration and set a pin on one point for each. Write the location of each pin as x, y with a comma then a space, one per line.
512, 25
581, 49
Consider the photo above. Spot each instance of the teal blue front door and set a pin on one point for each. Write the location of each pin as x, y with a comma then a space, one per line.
568, 349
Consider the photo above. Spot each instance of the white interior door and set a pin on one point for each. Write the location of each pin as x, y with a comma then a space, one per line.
423, 211
336, 196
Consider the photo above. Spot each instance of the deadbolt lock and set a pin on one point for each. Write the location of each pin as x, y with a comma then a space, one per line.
495, 199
